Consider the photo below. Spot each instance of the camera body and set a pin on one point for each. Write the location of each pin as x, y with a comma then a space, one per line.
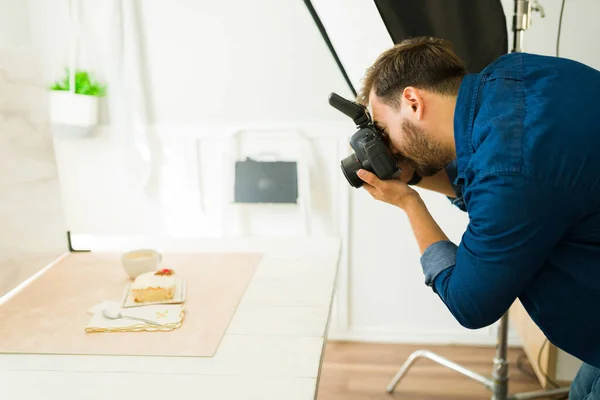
371, 150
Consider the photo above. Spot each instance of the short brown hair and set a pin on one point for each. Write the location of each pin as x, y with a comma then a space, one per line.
423, 62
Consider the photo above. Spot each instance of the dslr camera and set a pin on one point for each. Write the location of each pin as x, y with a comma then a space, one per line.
371, 149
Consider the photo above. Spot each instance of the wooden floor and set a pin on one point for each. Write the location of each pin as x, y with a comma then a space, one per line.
361, 371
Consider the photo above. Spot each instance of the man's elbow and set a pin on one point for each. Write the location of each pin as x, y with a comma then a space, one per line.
474, 320
470, 310
472, 323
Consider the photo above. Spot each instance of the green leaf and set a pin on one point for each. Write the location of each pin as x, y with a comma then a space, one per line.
84, 84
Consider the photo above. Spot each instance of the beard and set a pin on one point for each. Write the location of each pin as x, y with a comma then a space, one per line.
426, 156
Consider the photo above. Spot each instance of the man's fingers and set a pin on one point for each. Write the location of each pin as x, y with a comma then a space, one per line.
369, 188
373, 191
368, 177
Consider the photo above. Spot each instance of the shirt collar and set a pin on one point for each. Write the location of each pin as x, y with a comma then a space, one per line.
463, 123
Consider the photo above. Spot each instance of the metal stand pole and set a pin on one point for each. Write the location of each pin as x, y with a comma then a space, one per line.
498, 384
500, 370
522, 20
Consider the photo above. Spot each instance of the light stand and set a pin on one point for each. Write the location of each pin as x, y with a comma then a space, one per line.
498, 384
522, 20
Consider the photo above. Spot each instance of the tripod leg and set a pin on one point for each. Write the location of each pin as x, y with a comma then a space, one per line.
440, 360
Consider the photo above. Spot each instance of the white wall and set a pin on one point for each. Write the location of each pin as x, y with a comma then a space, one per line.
387, 300
14, 24
32, 231
214, 67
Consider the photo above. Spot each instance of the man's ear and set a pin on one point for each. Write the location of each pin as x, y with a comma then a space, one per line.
413, 100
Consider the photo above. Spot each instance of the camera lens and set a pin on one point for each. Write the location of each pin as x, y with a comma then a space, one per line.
349, 166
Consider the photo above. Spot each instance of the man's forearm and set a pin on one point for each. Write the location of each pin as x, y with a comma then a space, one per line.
438, 254
425, 229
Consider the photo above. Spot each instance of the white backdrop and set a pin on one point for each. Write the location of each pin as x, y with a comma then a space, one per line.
213, 67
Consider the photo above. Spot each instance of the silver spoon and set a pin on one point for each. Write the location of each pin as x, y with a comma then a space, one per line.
117, 315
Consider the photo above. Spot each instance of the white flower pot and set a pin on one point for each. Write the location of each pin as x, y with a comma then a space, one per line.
73, 114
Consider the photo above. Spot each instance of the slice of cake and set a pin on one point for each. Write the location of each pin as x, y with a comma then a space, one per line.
154, 286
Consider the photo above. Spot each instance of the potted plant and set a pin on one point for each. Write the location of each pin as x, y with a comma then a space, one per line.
74, 102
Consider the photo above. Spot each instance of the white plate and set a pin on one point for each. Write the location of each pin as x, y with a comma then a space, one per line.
180, 293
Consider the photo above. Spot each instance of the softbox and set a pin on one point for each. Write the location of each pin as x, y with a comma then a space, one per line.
476, 28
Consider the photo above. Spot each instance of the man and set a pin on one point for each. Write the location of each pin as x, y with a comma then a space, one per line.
517, 146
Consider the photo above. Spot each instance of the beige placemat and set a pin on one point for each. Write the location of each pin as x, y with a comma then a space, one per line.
50, 315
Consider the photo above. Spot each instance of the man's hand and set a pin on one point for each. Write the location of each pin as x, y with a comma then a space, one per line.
437, 183
391, 191
407, 170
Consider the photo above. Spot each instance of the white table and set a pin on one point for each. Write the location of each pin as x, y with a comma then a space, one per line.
272, 348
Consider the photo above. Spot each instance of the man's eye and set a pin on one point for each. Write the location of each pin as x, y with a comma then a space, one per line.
386, 138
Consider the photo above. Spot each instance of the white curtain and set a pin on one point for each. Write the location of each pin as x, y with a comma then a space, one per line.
127, 96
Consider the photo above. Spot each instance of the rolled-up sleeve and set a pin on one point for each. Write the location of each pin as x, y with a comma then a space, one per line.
514, 223
437, 258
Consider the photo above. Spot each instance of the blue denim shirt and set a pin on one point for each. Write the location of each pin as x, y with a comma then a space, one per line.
527, 171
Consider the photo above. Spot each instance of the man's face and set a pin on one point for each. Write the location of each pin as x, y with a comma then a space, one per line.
408, 135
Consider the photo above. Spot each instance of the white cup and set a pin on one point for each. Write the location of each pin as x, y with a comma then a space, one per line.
139, 261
